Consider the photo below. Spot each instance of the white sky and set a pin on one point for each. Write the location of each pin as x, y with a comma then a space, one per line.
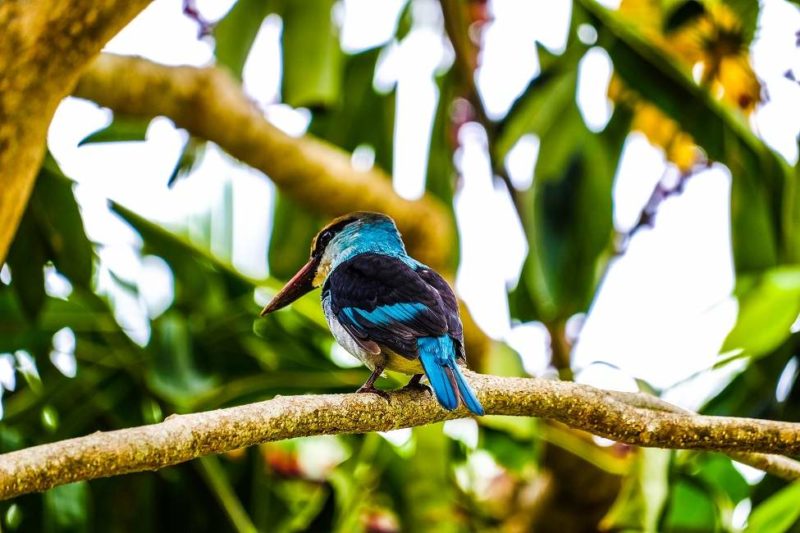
663, 309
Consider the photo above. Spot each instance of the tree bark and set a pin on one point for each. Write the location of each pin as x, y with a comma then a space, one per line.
625, 417
43, 47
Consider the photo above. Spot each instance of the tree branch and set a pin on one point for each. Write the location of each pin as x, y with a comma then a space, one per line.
618, 416
43, 48
211, 105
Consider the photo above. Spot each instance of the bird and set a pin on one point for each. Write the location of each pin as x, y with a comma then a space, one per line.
384, 307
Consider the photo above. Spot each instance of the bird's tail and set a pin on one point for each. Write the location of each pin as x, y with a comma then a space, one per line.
438, 357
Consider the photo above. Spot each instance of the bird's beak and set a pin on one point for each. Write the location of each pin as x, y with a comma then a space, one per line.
300, 284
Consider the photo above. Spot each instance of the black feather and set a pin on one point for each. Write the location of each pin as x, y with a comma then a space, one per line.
369, 281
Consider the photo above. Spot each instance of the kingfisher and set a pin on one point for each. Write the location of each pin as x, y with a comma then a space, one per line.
385, 307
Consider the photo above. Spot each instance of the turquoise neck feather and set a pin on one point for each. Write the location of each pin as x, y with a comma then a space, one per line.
368, 236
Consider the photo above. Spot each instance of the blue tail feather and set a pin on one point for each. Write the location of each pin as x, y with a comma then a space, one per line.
467, 395
438, 358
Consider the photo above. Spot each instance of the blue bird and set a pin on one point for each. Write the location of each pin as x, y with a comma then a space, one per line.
384, 307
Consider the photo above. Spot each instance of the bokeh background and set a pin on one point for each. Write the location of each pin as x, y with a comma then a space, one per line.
625, 188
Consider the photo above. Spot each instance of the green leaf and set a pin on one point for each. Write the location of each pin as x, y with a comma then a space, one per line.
689, 509
504, 361
508, 451
768, 306
60, 222
51, 229
441, 175
121, 129
760, 177
778, 513
540, 107
217, 480
362, 115
312, 58
643, 495
752, 392
791, 215
429, 499
66, 508
293, 228
717, 471
569, 218
173, 372
235, 33
26, 259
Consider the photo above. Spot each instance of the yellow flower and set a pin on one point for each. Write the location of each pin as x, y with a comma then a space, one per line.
711, 45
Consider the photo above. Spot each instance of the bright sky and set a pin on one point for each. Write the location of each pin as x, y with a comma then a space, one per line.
664, 307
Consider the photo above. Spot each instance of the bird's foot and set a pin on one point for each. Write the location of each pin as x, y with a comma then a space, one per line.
415, 385
372, 389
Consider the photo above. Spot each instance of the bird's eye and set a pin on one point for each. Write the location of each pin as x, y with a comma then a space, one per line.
323, 240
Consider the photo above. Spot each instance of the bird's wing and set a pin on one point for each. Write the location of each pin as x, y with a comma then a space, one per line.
449, 305
381, 299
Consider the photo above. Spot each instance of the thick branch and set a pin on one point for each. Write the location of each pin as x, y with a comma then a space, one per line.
211, 105
44, 46
181, 438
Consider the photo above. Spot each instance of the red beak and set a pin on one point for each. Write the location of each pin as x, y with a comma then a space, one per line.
300, 284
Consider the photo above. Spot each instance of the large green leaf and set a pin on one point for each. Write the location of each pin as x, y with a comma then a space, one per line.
542, 103
51, 230
752, 392
428, 494
778, 513
761, 237
67, 508
60, 221
26, 259
293, 228
690, 508
312, 58
173, 372
361, 115
643, 495
441, 176
569, 216
769, 304
235, 33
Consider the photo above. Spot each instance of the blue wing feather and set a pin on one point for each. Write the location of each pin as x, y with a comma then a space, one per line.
438, 357
386, 315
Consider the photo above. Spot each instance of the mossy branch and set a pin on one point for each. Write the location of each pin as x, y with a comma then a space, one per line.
43, 47
631, 418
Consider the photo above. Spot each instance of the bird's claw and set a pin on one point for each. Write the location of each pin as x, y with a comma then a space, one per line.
382, 394
417, 386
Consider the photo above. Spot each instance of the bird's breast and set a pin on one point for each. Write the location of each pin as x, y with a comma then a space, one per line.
345, 339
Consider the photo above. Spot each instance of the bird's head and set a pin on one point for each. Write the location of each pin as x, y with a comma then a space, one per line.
342, 239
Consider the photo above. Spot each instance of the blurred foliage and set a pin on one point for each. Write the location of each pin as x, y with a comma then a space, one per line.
85, 348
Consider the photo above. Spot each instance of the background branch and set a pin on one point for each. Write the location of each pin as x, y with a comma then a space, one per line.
211, 105
43, 48
623, 417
